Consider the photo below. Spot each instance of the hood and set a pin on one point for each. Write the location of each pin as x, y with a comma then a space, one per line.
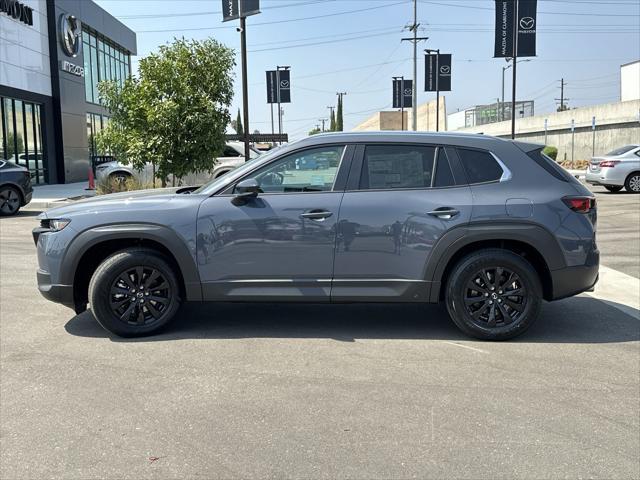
138, 200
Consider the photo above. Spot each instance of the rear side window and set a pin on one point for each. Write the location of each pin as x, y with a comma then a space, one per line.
397, 166
444, 175
549, 165
480, 166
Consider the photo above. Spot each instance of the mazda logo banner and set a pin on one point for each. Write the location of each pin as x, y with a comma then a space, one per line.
402, 93
527, 25
234, 9
284, 85
437, 66
272, 92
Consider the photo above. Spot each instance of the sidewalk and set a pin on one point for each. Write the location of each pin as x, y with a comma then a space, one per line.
49, 196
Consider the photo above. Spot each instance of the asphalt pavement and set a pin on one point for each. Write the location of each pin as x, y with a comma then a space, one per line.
309, 391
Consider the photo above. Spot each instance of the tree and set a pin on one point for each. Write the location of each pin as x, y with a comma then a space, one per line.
339, 120
175, 113
332, 121
237, 124
315, 131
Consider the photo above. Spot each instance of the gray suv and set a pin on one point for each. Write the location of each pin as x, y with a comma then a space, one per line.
488, 226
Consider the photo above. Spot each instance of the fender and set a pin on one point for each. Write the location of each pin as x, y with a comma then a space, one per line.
526, 232
137, 231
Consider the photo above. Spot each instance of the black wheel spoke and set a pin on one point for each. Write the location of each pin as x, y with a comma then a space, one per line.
505, 315
125, 278
485, 277
516, 306
474, 286
148, 283
478, 313
140, 318
514, 293
154, 311
139, 275
160, 300
115, 304
127, 313
162, 286
474, 299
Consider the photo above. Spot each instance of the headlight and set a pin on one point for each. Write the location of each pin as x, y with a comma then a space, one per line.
55, 224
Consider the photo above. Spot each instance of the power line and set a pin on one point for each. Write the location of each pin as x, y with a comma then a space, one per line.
326, 42
541, 12
257, 24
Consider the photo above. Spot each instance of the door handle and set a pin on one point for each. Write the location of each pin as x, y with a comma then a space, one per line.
444, 213
317, 214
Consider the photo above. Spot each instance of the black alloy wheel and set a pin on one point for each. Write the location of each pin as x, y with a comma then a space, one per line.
495, 297
9, 201
140, 296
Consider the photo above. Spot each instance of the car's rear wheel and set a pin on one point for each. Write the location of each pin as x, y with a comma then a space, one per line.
493, 294
613, 188
9, 201
632, 183
134, 292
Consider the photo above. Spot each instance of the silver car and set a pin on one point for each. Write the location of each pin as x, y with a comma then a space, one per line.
617, 169
232, 157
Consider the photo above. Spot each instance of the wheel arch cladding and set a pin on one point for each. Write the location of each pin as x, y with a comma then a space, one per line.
92, 246
531, 241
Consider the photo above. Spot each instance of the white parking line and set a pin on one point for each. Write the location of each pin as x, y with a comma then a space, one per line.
466, 346
619, 290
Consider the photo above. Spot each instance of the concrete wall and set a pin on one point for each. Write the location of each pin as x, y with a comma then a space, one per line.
630, 81
392, 121
617, 124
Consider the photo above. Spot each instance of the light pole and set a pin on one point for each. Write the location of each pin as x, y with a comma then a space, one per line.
504, 69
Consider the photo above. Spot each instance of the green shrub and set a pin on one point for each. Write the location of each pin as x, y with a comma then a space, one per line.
551, 152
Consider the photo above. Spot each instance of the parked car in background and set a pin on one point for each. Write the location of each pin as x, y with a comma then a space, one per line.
616, 170
232, 157
488, 226
15, 188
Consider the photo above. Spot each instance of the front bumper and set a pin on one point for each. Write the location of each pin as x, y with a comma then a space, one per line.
56, 293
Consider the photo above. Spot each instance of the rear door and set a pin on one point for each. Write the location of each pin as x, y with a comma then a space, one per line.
400, 200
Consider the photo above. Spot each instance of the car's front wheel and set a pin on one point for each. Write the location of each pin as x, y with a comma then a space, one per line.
9, 201
134, 292
632, 184
493, 294
613, 188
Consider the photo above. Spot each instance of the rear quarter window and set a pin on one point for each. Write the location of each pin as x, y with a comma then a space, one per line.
549, 165
480, 166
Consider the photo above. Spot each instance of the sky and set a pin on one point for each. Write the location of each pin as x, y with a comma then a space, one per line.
355, 46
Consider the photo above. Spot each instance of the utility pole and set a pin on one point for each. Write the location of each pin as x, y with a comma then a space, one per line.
437, 52
415, 39
332, 115
322, 120
562, 107
245, 87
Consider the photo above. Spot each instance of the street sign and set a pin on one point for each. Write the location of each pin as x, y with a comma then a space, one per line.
234, 9
505, 13
440, 65
402, 93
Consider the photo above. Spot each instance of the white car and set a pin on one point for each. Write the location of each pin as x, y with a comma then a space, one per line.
617, 169
232, 157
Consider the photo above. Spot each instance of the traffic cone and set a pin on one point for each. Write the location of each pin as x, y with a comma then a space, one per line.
92, 181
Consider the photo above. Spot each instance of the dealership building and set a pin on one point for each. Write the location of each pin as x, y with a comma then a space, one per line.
53, 53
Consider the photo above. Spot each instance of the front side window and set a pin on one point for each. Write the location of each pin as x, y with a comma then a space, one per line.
480, 166
312, 170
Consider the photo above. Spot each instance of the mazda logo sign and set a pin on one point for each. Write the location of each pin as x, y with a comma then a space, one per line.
445, 69
70, 34
284, 84
408, 91
527, 23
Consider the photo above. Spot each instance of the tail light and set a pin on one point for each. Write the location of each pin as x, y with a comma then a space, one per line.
580, 204
609, 163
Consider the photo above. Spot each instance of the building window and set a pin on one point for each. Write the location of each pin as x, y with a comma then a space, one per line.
95, 124
103, 60
21, 136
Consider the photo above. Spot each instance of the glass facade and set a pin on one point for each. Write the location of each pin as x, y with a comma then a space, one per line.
103, 60
95, 124
21, 137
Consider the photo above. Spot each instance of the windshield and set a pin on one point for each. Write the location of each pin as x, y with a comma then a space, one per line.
621, 150
216, 183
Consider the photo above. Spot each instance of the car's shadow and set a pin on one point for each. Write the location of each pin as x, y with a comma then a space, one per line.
576, 320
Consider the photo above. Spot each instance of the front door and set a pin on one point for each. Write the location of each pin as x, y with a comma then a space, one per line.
279, 245
400, 200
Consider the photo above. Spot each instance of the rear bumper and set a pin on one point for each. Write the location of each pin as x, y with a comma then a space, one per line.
27, 198
56, 293
571, 281
606, 176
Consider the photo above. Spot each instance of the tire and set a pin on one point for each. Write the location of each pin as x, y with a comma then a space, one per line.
632, 183
512, 314
134, 311
9, 201
613, 188
119, 178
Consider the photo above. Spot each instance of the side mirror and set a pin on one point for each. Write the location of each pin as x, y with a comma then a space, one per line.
247, 189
